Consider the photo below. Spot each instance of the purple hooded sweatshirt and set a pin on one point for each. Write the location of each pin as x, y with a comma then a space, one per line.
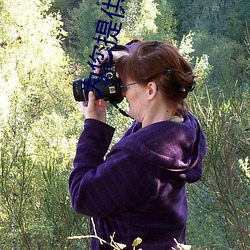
138, 190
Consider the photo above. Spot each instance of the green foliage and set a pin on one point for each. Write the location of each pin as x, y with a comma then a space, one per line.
166, 21
219, 18
82, 28
36, 157
245, 167
219, 201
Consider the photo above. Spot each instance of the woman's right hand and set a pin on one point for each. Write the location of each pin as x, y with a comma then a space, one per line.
94, 109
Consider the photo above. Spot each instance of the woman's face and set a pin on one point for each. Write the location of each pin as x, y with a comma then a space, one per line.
135, 94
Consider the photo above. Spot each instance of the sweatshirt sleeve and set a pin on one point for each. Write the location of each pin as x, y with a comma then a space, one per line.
99, 188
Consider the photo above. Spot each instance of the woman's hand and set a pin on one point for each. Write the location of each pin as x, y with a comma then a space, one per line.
116, 55
94, 109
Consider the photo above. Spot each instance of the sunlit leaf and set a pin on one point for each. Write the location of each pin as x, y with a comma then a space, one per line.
137, 242
120, 245
182, 246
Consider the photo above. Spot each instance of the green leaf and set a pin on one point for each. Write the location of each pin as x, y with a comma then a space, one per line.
137, 242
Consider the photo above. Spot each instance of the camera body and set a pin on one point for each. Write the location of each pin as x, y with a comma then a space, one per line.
105, 85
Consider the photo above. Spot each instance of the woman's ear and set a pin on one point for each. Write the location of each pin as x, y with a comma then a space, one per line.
152, 90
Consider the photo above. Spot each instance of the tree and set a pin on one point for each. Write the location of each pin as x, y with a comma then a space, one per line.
219, 201
35, 209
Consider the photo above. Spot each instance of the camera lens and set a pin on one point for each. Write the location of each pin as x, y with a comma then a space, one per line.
77, 90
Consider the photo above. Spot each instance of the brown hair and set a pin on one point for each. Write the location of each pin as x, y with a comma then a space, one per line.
162, 63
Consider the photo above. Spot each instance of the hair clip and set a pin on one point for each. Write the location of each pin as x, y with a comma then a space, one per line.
182, 89
169, 71
190, 89
156, 43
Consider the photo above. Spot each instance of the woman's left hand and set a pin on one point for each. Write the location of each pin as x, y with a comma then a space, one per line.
94, 109
115, 56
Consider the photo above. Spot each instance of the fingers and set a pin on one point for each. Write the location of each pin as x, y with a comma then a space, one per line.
91, 102
105, 57
88, 106
94, 109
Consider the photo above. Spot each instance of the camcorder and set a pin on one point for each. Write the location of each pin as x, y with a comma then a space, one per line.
105, 85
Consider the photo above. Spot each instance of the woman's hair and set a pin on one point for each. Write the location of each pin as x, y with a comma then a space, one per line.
161, 63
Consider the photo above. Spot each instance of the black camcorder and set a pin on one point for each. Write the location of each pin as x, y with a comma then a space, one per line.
106, 85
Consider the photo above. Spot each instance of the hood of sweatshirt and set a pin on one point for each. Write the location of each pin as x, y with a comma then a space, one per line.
178, 147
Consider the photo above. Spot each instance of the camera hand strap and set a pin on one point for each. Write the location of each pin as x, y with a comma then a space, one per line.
122, 111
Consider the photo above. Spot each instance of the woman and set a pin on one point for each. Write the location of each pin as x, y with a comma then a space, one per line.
138, 190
